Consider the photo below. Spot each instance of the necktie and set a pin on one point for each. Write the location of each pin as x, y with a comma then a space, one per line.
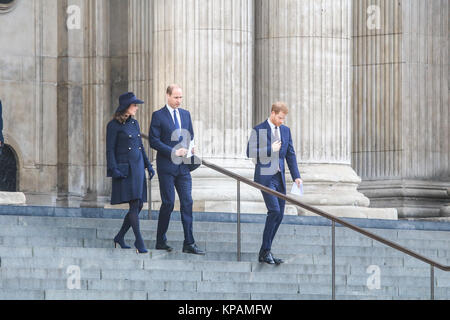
177, 124
277, 134
277, 138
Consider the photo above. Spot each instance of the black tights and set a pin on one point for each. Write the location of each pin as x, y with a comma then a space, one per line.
132, 220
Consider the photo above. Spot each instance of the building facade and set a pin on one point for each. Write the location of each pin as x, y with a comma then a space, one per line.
366, 82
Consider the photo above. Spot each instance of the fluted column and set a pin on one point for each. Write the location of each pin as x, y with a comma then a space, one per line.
401, 112
140, 64
207, 48
96, 95
303, 57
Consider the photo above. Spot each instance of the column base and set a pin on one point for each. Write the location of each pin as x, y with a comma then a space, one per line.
411, 198
330, 187
40, 199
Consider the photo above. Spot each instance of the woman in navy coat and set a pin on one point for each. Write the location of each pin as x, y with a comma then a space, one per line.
126, 164
2, 141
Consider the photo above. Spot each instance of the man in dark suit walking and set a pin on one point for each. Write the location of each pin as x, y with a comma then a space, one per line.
270, 144
170, 135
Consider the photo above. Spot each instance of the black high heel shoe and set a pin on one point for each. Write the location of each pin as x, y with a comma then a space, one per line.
142, 249
121, 243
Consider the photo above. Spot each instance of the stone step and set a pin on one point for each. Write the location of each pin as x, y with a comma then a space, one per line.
36, 252
97, 253
214, 271
181, 295
285, 228
343, 247
74, 236
90, 294
22, 294
279, 247
47, 273
63, 234
35, 231
139, 295
195, 270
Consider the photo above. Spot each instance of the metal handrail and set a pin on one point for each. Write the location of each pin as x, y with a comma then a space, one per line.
334, 220
328, 216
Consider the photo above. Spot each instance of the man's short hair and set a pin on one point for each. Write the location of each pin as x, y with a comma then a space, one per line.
171, 88
278, 107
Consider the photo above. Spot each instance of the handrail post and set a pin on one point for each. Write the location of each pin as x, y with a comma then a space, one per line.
238, 220
432, 281
333, 260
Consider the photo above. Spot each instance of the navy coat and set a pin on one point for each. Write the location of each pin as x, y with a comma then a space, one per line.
126, 157
161, 129
259, 147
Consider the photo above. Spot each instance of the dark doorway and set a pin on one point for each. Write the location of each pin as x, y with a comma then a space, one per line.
8, 170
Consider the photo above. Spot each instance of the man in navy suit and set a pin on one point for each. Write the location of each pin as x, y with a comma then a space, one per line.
270, 144
170, 134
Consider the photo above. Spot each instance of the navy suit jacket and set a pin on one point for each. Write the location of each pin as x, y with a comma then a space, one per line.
259, 148
161, 129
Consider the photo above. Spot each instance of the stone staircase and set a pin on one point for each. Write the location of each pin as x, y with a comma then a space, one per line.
73, 258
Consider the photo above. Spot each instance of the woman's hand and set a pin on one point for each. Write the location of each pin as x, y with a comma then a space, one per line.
151, 172
116, 174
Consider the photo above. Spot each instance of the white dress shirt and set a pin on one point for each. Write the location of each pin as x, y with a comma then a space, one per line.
171, 110
272, 126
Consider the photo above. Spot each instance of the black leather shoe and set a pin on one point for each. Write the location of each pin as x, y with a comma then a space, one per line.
192, 248
163, 246
266, 257
277, 261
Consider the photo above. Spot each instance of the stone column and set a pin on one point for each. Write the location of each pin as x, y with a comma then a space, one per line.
207, 48
401, 112
303, 57
96, 91
140, 64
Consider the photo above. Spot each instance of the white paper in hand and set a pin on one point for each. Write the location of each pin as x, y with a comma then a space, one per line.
191, 145
296, 190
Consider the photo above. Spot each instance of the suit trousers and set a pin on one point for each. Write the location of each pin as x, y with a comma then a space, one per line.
167, 185
275, 207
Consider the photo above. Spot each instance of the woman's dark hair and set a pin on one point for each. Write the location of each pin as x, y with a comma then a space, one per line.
121, 116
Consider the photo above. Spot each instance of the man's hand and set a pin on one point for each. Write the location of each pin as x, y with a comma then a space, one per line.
276, 146
181, 152
298, 181
193, 150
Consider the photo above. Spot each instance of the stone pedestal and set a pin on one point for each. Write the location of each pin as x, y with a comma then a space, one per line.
12, 198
